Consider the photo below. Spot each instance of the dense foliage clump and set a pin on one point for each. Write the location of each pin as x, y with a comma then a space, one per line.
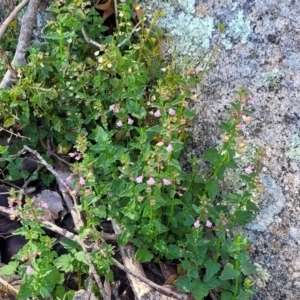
117, 113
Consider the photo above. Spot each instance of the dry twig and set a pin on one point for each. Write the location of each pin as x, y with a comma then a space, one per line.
27, 27
11, 17
8, 286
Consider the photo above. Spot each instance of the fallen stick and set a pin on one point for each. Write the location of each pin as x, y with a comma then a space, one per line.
27, 26
11, 17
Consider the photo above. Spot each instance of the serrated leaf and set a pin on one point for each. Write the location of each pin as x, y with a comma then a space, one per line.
247, 267
213, 156
183, 283
243, 217
9, 122
212, 188
69, 245
143, 255
100, 135
174, 252
229, 272
212, 268
81, 257
64, 263
212, 283
9, 269
198, 290
226, 295
234, 198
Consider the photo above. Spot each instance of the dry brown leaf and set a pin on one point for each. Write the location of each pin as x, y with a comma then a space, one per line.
171, 279
107, 6
167, 270
138, 10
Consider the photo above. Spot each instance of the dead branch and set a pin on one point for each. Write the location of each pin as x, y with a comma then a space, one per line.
89, 40
27, 26
7, 63
131, 33
11, 17
155, 286
134, 271
8, 286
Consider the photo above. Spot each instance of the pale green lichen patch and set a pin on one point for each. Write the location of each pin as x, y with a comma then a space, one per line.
188, 37
238, 29
271, 79
294, 152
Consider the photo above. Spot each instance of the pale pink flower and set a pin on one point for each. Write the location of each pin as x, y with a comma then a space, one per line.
197, 224
130, 121
122, 1
119, 123
29, 270
166, 181
159, 143
157, 113
69, 178
249, 169
151, 181
208, 223
114, 108
169, 148
44, 205
171, 111
139, 179
81, 180
78, 157
243, 127
76, 154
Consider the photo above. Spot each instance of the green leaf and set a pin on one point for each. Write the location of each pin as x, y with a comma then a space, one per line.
247, 267
229, 272
212, 188
212, 283
47, 179
183, 283
193, 273
231, 164
115, 82
9, 269
234, 198
69, 245
81, 257
143, 255
212, 268
64, 262
174, 252
226, 295
124, 237
242, 296
9, 122
199, 290
100, 135
213, 156
243, 217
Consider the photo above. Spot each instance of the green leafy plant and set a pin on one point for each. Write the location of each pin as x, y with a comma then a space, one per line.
121, 112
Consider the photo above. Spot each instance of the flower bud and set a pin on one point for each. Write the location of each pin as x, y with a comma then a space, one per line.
260, 188
240, 138
225, 138
241, 145
152, 202
240, 150
247, 119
